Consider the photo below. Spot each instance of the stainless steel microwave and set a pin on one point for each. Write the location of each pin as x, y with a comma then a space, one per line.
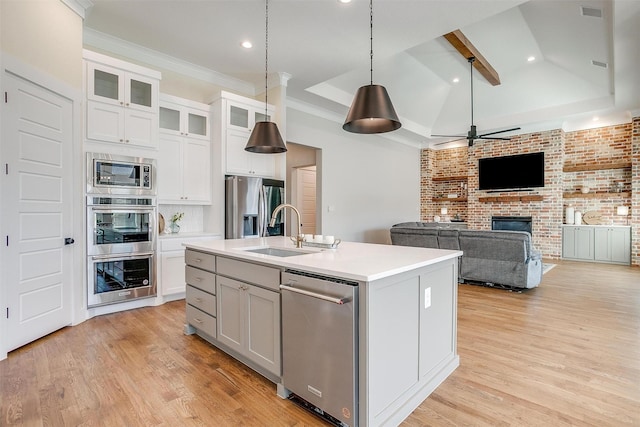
114, 174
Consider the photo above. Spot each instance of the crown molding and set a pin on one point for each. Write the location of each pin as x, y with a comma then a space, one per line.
78, 6
154, 58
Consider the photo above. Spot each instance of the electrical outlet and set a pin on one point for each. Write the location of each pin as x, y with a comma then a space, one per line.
427, 297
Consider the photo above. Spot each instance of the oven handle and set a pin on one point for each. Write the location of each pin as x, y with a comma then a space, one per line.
125, 257
315, 295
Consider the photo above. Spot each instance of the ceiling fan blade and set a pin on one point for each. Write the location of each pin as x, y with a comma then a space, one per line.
453, 140
500, 131
448, 136
493, 137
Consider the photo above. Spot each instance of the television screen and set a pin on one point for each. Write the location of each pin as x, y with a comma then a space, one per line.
511, 172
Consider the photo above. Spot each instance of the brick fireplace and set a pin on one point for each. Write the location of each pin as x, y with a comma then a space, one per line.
449, 179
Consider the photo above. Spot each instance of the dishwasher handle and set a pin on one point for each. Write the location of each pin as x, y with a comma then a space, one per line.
315, 295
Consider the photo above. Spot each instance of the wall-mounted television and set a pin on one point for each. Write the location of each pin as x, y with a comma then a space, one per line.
511, 172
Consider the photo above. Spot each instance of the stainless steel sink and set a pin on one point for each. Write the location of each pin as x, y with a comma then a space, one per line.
279, 252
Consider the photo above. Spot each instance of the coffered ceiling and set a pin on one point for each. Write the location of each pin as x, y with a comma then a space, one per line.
587, 55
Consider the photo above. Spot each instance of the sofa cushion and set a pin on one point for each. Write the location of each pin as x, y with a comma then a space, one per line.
501, 257
448, 239
415, 236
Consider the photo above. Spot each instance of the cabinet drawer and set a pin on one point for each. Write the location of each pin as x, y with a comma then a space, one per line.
259, 274
200, 279
200, 260
201, 321
202, 300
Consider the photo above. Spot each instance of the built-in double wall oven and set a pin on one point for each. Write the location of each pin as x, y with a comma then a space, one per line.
121, 231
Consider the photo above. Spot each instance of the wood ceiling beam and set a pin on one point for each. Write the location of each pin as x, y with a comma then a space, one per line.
467, 49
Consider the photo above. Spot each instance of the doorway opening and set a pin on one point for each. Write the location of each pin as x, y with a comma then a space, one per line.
303, 188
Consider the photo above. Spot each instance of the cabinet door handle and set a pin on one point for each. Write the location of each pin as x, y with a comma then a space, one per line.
197, 320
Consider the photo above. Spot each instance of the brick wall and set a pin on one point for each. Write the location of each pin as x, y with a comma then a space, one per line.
635, 197
600, 146
611, 144
547, 213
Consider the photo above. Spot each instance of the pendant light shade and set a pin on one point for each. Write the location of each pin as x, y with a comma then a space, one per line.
371, 110
265, 137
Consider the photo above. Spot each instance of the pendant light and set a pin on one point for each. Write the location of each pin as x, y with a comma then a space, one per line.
371, 110
265, 137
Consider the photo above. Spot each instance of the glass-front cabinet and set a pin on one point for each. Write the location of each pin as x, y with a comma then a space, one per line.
122, 101
182, 117
244, 117
118, 87
184, 157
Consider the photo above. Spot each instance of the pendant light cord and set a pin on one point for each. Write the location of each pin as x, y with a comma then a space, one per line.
371, 37
266, 54
471, 60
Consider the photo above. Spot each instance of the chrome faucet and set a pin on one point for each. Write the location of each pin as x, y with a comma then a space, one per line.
275, 214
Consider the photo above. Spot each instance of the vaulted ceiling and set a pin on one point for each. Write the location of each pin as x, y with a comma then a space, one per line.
587, 55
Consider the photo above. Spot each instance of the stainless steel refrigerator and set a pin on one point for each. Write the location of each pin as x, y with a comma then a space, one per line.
249, 203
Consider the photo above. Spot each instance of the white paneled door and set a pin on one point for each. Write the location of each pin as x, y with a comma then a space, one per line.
36, 210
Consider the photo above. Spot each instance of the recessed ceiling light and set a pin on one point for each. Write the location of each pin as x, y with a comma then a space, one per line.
247, 44
344, 1
456, 80
531, 58
596, 118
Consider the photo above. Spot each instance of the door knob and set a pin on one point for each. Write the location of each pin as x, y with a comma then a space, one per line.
69, 241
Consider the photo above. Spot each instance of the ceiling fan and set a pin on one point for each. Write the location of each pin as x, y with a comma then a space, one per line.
472, 134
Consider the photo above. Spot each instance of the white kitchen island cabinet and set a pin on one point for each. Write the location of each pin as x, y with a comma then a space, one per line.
406, 315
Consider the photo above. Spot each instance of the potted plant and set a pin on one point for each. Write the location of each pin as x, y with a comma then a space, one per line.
173, 226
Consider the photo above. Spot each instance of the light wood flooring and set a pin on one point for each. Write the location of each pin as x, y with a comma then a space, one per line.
566, 353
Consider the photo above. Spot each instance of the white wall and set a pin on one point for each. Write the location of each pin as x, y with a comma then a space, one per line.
45, 34
369, 182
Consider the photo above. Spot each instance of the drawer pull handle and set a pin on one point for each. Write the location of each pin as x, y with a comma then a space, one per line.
199, 279
198, 299
198, 260
197, 320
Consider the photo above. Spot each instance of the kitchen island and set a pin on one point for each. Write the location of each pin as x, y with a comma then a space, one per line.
404, 306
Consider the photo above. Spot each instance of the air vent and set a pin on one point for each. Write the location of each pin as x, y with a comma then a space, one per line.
599, 64
591, 11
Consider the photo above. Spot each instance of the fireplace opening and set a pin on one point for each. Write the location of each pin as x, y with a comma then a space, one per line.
512, 223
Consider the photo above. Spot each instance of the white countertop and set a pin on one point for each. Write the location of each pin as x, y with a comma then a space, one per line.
355, 261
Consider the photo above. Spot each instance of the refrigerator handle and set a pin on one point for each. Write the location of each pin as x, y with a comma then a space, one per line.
263, 219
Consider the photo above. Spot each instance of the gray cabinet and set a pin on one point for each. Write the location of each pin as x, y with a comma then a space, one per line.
249, 322
612, 244
201, 308
241, 302
409, 324
597, 243
577, 243
249, 315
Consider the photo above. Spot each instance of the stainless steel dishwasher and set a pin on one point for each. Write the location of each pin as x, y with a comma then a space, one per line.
320, 344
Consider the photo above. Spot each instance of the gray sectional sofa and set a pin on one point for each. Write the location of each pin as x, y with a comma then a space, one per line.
505, 258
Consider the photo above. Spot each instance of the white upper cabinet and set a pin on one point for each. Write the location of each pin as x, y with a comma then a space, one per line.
238, 117
122, 101
184, 120
244, 117
184, 159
